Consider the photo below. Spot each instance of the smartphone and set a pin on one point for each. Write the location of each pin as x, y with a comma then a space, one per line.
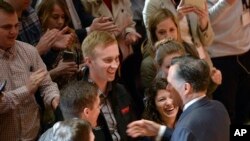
68, 56
2, 85
198, 3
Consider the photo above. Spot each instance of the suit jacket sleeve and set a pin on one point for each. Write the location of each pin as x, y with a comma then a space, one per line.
167, 134
85, 17
182, 134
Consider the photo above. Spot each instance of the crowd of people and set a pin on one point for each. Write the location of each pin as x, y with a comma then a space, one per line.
123, 70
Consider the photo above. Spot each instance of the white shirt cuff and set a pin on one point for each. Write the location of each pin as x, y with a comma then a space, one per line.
161, 133
88, 30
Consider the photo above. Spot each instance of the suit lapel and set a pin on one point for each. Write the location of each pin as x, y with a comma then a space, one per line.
103, 7
115, 9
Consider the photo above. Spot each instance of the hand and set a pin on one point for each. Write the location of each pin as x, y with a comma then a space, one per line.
35, 80
64, 39
203, 16
64, 68
132, 37
46, 41
216, 76
143, 128
103, 24
183, 10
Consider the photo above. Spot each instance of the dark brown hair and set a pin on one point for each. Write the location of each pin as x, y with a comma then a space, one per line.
150, 111
45, 9
6, 7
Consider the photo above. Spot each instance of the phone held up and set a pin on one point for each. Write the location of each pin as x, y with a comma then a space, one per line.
69, 56
197, 3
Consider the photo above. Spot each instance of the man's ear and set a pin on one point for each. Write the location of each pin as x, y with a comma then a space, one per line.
87, 60
85, 113
187, 88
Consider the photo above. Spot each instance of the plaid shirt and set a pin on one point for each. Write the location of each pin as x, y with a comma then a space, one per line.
30, 27
19, 111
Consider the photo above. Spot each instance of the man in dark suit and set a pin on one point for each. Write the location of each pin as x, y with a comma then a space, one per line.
202, 119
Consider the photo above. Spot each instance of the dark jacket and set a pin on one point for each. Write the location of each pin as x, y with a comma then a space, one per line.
121, 104
85, 18
205, 120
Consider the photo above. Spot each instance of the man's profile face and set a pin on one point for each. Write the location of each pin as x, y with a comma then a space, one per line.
94, 112
175, 86
105, 62
9, 28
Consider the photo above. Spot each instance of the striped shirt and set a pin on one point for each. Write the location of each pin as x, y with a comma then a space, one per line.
19, 114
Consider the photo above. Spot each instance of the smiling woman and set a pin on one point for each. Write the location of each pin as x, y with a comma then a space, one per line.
160, 105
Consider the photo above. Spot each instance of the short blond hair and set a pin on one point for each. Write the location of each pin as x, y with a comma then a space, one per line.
94, 39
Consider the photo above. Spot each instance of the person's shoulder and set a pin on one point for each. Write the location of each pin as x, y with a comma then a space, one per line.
29, 11
148, 60
25, 47
217, 104
120, 90
46, 136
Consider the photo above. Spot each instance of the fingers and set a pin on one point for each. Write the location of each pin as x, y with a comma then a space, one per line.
216, 76
132, 37
203, 17
35, 80
135, 123
65, 30
135, 132
46, 41
200, 12
38, 76
67, 68
135, 129
105, 19
137, 34
185, 9
106, 26
64, 40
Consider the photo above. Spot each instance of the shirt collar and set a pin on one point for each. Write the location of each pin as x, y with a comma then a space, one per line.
9, 53
192, 102
108, 89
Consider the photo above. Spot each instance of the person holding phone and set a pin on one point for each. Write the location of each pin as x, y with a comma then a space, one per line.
120, 13
194, 23
54, 14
